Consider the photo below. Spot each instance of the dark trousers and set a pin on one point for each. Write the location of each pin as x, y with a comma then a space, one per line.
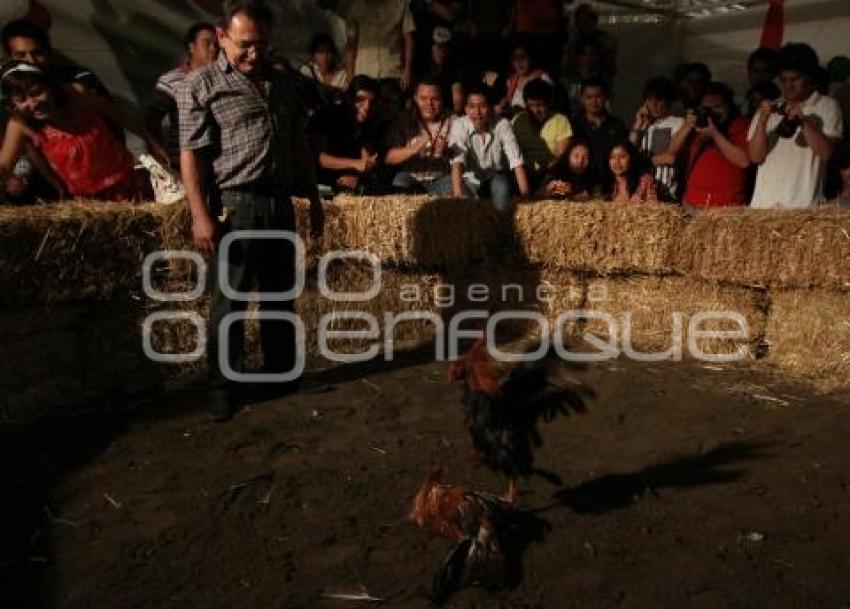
269, 265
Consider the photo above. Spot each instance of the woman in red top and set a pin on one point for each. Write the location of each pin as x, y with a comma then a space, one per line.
523, 72
65, 134
716, 138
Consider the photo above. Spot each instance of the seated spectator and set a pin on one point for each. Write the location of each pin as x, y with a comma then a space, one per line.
347, 141
692, 80
202, 48
483, 152
714, 136
597, 126
543, 135
419, 144
443, 70
523, 72
762, 67
570, 177
653, 131
842, 164
583, 63
792, 143
628, 181
323, 68
65, 129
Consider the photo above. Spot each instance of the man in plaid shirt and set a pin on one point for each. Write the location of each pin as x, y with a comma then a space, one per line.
243, 154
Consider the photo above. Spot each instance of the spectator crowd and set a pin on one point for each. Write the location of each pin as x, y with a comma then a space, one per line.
488, 99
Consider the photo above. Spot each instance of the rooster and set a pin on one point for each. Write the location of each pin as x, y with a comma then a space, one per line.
479, 524
504, 404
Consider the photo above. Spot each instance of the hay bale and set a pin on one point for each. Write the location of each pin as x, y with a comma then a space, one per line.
652, 303
809, 336
602, 238
419, 232
789, 249
55, 253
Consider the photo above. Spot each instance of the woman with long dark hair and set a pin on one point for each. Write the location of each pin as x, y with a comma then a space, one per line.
66, 134
628, 180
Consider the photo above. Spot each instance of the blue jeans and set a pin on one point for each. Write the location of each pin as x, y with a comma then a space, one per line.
498, 189
442, 186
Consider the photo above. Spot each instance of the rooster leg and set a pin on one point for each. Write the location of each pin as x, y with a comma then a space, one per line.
511, 494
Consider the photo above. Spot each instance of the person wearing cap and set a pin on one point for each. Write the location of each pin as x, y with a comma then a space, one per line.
793, 142
64, 132
429, 15
445, 71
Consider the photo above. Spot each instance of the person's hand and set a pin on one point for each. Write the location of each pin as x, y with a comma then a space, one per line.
641, 119
690, 119
406, 77
558, 188
765, 109
367, 162
420, 143
348, 182
203, 233
441, 146
794, 110
708, 131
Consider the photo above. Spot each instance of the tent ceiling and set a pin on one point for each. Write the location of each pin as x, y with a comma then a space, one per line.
636, 11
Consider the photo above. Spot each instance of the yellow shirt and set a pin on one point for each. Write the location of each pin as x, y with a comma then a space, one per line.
539, 145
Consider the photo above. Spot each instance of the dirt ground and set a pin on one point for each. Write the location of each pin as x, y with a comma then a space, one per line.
683, 487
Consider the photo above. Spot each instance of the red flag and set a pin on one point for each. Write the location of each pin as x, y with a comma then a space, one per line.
774, 25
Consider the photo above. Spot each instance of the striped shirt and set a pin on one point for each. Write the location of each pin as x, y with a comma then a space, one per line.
252, 132
656, 140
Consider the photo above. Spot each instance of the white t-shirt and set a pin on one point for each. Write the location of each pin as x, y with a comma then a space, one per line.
484, 154
656, 140
792, 176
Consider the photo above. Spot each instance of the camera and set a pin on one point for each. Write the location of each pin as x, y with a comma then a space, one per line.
788, 126
703, 116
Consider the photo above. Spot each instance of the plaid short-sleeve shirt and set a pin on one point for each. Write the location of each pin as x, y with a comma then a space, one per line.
249, 130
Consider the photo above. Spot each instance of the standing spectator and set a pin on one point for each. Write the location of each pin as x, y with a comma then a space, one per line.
239, 125
202, 48
586, 22
485, 24
539, 25
543, 134
627, 180
64, 132
348, 142
570, 177
524, 71
483, 152
323, 67
428, 16
792, 146
692, 80
653, 131
25, 41
839, 75
715, 137
762, 67
419, 144
597, 126
584, 63
766, 91
382, 33
444, 70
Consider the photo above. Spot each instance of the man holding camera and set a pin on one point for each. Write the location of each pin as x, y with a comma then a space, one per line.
792, 140
716, 139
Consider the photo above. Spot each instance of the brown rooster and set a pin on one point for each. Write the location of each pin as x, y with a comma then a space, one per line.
478, 523
504, 404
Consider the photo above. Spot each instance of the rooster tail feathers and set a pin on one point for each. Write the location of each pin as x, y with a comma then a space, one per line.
453, 574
